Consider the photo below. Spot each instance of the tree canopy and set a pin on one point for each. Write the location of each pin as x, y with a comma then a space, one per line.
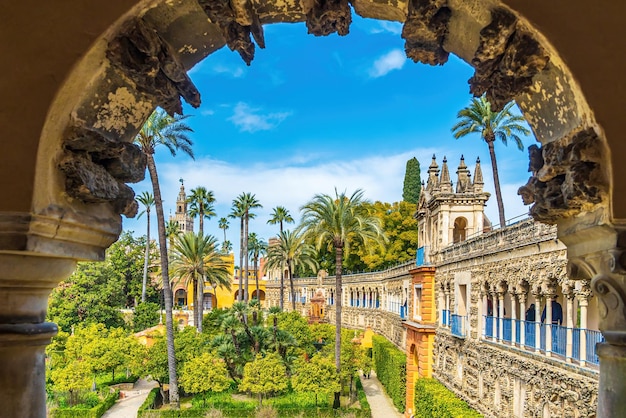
412, 182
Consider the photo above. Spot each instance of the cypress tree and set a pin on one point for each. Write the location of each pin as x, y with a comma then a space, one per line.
412, 182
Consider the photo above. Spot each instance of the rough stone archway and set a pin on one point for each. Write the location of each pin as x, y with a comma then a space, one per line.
84, 157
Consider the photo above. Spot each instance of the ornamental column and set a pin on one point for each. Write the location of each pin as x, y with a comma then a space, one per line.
537, 294
583, 295
500, 314
513, 317
568, 292
522, 314
494, 312
548, 322
25, 283
483, 313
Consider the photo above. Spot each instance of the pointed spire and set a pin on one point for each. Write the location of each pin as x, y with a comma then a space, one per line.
463, 181
444, 180
478, 177
433, 175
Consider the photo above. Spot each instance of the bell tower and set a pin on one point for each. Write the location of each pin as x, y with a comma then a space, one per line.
448, 215
185, 222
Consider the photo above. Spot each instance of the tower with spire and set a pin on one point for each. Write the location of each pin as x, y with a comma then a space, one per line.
448, 214
181, 216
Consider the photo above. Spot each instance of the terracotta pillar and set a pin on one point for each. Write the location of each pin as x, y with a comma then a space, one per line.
25, 283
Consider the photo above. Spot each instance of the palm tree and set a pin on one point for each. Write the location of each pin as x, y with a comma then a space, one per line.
201, 205
171, 132
256, 249
338, 222
291, 250
223, 225
246, 202
238, 212
503, 125
279, 216
227, 247
147, 200
195, 256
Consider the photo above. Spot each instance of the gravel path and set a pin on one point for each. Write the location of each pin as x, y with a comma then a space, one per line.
130, 400
381, 404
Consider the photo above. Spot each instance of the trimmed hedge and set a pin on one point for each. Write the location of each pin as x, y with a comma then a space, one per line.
366, 410
434, 400
390, 366
95, 412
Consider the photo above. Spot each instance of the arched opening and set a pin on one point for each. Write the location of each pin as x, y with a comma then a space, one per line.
180, 298
209, 301
260, 296
460, 229
560, 195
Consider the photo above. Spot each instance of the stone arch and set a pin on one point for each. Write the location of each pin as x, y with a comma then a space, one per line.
459, 232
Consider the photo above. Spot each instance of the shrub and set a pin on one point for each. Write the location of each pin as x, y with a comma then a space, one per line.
84, 412
390, 366
434, 400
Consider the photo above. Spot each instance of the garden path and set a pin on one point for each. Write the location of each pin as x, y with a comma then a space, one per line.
381, 404
130, 400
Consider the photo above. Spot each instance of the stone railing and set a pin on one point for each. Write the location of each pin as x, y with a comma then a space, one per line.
522, 233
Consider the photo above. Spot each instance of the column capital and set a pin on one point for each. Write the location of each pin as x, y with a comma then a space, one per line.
569, 289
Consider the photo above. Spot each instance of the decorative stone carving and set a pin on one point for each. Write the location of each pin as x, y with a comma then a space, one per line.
424, 31
567, 177
237, 20
506, 60
329, 16
140, 54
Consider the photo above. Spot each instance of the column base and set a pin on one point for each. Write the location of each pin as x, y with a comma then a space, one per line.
612, 388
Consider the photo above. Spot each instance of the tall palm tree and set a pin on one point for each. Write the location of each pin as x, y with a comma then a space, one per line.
194, 257
147, 200
256, 249
216, 269
279, 216
503, 125
246, 202
237, 211
338, 222
291, 250
201, 205
171, 132
227, 247
223, 225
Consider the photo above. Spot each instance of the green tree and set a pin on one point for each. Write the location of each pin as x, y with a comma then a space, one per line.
318, 376
201, 205
291, 250
245, 203
280, 215
193, 254
264, 375
73, 377
147, 200
203, 374
237, 211
223, 225
146, 315
412, 182
256, 248
171, 132
504, 125
337, 222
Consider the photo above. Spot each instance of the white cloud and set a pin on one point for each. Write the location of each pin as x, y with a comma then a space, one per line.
207, 112
387, 26
237, 72
392, 60
249, 119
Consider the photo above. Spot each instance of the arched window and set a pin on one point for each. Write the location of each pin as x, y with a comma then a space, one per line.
460, 228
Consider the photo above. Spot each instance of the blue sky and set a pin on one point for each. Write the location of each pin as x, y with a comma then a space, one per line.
314, 114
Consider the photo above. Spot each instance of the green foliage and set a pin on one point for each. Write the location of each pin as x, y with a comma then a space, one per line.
264, 375
390, 366
96, 291
365, 405
317, 376
146, 315
204, 373
412, 182
150, 401
298, 326
95, 411
434, 400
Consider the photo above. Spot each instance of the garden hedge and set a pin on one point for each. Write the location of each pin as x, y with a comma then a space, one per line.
95, 412
390, 366
434, 400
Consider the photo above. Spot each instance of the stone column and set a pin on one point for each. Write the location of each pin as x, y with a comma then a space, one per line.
548, 324
537, 294
494, 312
501, 315
522, 314
513, 317
568, 292
441, 301
583, 296
483, 313
25, 283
